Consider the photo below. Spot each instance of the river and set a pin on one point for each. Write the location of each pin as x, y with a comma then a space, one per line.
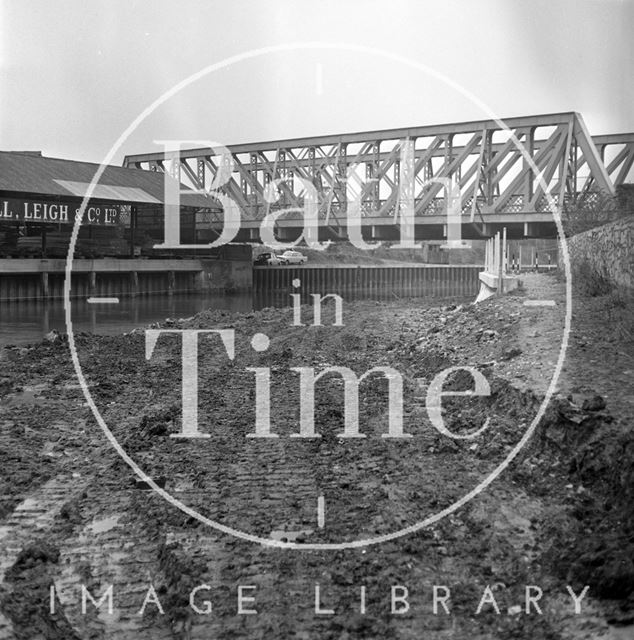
26, 322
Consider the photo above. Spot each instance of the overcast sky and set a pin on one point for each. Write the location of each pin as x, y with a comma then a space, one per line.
76, 73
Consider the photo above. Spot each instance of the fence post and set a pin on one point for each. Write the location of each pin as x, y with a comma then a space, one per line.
500, 262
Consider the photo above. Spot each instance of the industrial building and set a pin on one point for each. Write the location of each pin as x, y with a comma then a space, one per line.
115, 249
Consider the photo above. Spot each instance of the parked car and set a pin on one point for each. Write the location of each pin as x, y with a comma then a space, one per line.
268, 258
292, 257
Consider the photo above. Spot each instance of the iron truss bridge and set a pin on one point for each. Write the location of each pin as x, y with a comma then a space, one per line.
481, 166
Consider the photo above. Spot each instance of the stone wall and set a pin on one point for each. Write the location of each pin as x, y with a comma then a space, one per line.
605, 252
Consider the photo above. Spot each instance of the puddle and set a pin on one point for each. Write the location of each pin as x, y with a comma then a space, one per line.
105, 524
290, 536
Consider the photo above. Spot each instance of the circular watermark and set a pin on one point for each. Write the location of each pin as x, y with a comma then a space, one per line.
260, 341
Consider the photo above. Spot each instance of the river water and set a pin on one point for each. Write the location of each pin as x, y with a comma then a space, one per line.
26, 322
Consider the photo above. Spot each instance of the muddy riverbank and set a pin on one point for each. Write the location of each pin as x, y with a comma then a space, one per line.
560, 516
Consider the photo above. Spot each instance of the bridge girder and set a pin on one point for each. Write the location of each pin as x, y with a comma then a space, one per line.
479, 158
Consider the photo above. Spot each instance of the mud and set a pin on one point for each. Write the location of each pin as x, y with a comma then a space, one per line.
73, 513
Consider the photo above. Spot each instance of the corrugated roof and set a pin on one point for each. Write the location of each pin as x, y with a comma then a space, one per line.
108, 192
32, 173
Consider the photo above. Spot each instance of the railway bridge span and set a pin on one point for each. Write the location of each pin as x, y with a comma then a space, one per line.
404, 183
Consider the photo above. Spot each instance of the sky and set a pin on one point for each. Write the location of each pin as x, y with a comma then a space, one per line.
75, 74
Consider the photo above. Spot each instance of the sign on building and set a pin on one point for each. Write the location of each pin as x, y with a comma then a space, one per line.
52, 212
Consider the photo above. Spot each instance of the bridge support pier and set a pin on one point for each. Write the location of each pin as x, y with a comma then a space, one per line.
531, 230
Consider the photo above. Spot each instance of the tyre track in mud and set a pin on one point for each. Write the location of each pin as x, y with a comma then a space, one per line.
42, 435
110, 546
61, 524
32, 520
